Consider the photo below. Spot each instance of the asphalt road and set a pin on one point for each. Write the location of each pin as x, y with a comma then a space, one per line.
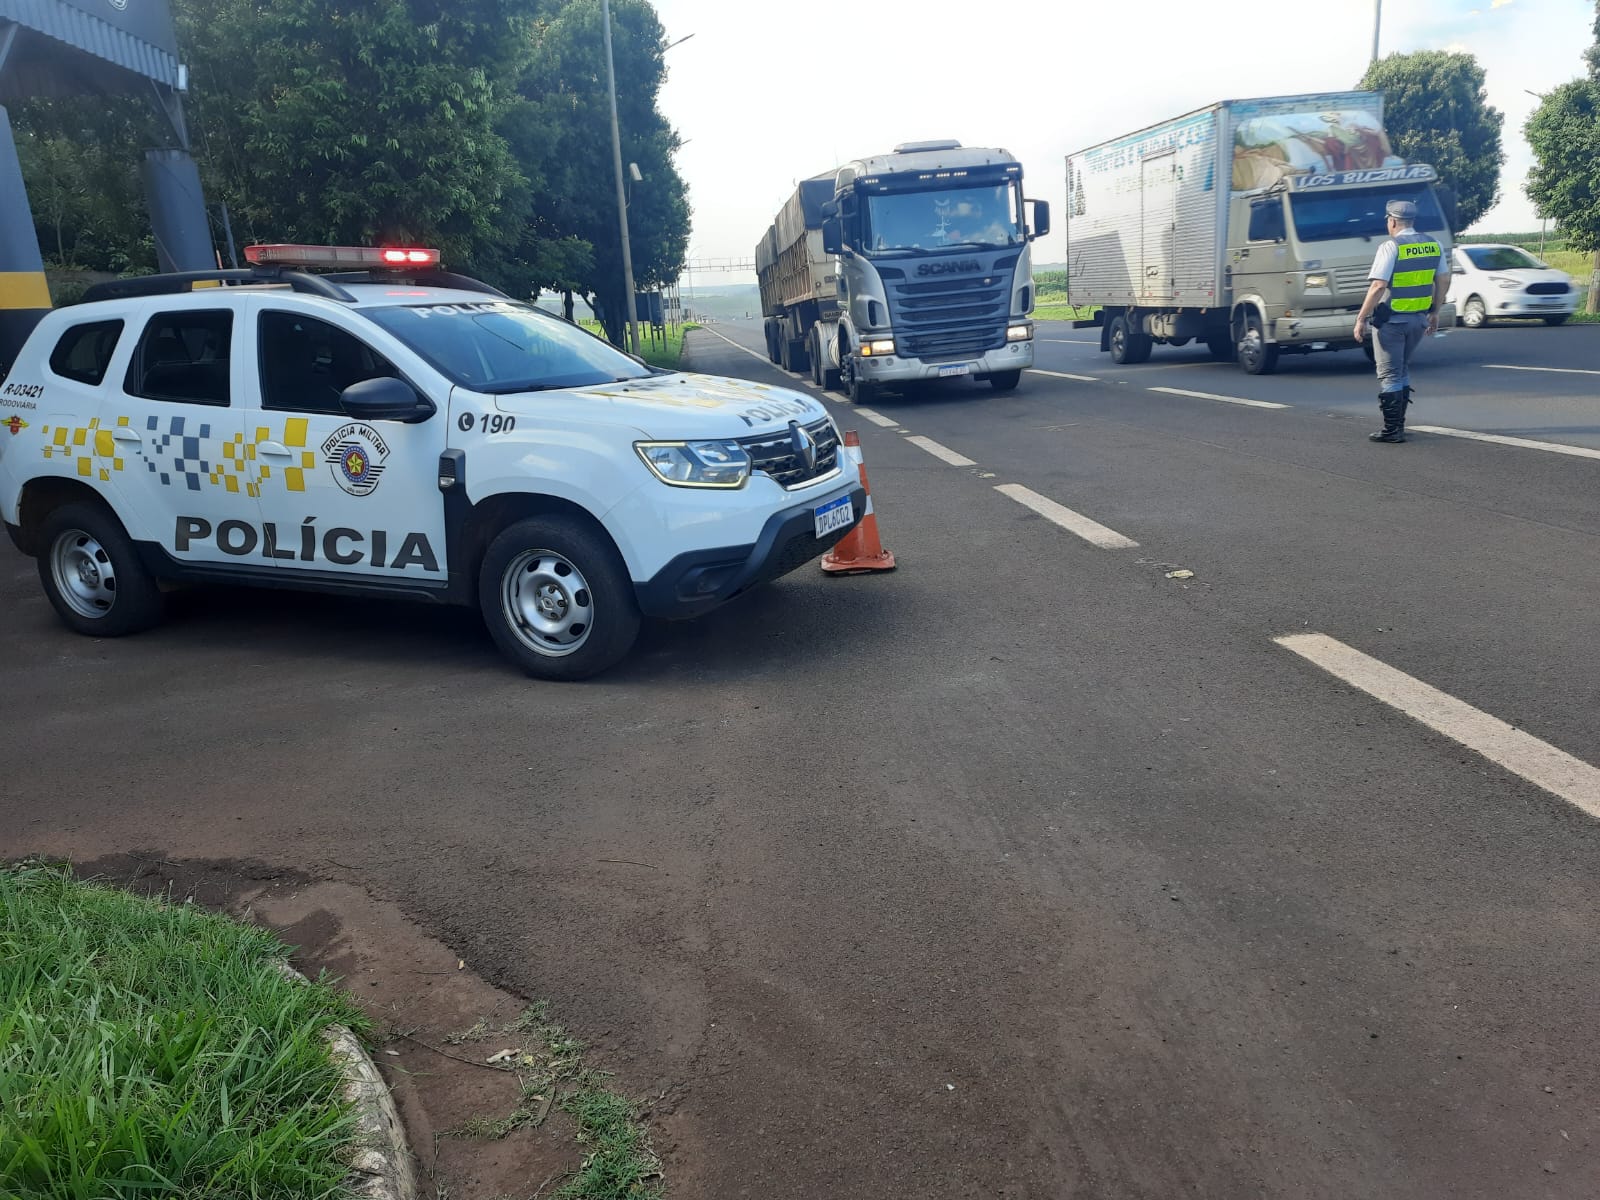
1025, 871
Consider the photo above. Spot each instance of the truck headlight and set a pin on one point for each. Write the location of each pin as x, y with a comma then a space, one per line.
696, 464
1317, 281
1019, 333
881, 346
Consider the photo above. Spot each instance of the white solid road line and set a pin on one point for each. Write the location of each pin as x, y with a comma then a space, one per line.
1500, 440
877, 418
944, 453
1073, 522
1553, 370
1574, 780
1214, 396
1064, 341
1064, 375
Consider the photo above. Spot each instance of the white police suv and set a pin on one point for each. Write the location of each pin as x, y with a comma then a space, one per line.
359, 420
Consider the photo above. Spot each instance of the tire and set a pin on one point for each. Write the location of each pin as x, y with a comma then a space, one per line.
799, 360
861, 392
92, 573
1221, 347
772, 344
1256, 356
1473, 314
1005, 381
1556, 320
539, 576
1128, 348
815, 356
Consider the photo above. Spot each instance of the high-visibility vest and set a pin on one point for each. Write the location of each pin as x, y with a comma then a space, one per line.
1416, 264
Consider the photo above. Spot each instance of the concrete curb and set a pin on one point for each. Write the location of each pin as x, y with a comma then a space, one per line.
380, 1167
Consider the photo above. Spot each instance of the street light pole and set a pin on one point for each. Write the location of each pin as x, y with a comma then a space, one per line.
1377, 22
622, 199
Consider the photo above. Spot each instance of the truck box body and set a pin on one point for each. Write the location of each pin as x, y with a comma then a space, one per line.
791, 266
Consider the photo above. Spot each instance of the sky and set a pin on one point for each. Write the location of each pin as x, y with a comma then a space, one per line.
762, 100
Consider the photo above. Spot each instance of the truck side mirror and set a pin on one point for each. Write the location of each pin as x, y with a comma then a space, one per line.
1039, 217
833, 236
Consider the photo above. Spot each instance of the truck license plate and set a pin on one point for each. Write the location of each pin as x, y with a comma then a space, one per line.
836, 514
958, 369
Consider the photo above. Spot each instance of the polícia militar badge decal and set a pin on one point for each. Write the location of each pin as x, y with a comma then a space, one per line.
355, 454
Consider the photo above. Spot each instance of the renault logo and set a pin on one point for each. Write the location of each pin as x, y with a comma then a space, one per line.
803, 445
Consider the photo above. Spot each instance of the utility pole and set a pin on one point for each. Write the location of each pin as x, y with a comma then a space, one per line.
622, 198
1377, 23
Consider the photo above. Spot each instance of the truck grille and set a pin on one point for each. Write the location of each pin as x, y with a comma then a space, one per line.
1553, 288
774, 454
950, 318
1349, 280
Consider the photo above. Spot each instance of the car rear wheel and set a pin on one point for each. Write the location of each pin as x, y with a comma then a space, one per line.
92, 573
557, 599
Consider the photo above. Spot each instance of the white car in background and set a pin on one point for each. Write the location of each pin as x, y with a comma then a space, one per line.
1491, 281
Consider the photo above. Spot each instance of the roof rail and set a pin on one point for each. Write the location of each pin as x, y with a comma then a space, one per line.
183, 281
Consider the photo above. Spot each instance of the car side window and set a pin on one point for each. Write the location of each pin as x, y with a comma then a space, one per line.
307, 363
183, 357
84, 352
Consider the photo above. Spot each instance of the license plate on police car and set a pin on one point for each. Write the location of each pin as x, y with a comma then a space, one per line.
958, 369
836, 514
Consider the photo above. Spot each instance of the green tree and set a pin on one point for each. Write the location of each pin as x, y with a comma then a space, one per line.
1564, 133
565, 89
1436, 112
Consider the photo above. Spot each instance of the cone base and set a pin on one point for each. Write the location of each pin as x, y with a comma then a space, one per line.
857, 566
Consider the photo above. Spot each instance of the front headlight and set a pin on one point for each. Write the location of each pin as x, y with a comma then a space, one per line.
1316, 281
881, 346
1018, 333
1503, 281
696, 464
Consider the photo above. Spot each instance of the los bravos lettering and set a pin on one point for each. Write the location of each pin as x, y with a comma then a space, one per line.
338, 545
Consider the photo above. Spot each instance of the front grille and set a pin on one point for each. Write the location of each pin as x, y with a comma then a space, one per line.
1548, 289
951, 318
774, 454
1350, 279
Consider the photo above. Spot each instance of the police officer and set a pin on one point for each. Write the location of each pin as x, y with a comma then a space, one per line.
1409, 268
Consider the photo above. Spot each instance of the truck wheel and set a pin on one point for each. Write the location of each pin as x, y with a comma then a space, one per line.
1221, 347
816, 361
1474, 315
1128, 347
1256, 355
772, 343
1005, 381
556, 597
92, 573
861, 392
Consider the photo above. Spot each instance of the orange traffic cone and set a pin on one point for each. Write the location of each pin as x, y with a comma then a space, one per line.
859, 550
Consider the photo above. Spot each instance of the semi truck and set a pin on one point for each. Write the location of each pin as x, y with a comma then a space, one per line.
904, 267
1249, 225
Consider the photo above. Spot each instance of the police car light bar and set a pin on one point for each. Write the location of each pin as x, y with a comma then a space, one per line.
340, 256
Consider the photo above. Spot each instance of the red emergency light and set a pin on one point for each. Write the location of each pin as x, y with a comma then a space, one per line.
340, 256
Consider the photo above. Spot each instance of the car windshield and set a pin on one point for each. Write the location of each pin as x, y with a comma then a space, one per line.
1503, 258
499, 346
1325, 217
956, 216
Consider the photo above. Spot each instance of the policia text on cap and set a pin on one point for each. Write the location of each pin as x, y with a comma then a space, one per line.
1409, 268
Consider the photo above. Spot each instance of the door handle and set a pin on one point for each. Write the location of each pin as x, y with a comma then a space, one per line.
273, 450
124, 435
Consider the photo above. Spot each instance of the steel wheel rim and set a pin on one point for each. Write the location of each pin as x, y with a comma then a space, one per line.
84, 574
547, 603
1474, 314
1250, 348
1119, 341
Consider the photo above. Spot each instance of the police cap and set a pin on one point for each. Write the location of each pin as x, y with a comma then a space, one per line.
1402, 210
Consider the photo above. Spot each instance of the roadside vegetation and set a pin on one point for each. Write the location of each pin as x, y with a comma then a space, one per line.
1050, 304
663, 350
152, 1048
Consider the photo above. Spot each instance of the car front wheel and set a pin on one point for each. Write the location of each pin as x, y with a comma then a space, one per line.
557, 599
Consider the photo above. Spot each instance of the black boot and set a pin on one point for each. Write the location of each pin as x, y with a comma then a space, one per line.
1393, 407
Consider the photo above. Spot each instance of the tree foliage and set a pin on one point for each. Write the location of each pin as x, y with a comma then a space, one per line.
479, 126
1564, 133
1437, 112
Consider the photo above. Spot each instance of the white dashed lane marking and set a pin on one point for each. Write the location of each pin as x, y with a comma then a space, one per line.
1213, 396
1501, 440
943, 453
1073, 522
1551, 370
1556, 771
1064, 375
877, 418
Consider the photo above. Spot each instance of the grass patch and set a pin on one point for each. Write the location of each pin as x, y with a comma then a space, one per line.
663, 351
1045, 310
150, 1047
548, 1064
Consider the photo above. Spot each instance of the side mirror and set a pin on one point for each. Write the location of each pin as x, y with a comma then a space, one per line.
1039, 217
384, 399
830, 208
833, 236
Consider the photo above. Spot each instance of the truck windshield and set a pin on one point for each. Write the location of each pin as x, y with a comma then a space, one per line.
1324, 217
500, 347
954, 216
